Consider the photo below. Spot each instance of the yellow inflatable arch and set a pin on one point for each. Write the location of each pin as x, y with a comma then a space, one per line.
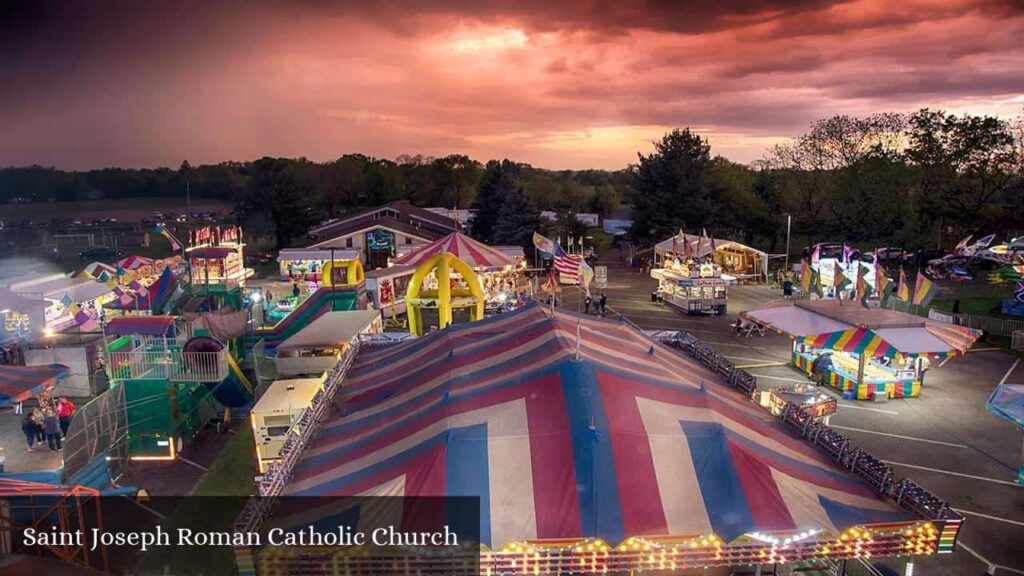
354, 272
416, 298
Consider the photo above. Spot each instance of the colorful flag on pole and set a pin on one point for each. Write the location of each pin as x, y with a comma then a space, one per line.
805, 276
882, 283
839, 280
924, 290
543, 244
163, 231
816, 284
675, 243
585, 274
903, 289
816, 254
863, 288
687, 248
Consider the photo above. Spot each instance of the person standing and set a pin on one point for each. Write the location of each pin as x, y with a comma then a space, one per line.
51, 426
30, 429
586, 304
65, 410
603, 303
296, 291
787, 289
37, 418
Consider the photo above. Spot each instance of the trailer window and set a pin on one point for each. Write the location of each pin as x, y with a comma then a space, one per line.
277, 430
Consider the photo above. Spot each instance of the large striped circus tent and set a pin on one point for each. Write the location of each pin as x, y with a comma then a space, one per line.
616, 438
473, 252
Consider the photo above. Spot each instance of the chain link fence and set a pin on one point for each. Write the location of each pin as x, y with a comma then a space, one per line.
98, 429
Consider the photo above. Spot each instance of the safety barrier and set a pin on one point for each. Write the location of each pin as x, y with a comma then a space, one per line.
278, 472
706, 355
1018, 340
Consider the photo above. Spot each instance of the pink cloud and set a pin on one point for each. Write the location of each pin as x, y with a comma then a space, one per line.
559, 85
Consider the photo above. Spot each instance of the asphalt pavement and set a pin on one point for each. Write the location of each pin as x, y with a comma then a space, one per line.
945, 439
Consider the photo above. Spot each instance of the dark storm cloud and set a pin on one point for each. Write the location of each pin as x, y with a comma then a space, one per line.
572, 83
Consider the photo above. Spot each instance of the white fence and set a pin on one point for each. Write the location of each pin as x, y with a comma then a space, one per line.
168, 365
1018, 340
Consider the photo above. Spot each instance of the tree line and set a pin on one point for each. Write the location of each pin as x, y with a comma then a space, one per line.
913, 180
919, 180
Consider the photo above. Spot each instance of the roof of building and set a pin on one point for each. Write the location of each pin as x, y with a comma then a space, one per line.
338, 254
401, 216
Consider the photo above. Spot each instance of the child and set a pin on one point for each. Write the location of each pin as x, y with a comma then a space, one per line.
51, 425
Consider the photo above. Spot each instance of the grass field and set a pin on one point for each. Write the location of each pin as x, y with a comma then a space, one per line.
124, 209
213, 506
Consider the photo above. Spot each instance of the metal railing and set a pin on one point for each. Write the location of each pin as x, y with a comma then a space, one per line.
280, 471
1018, 340
168, 365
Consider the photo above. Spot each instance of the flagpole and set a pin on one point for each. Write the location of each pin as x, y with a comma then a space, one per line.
579, 324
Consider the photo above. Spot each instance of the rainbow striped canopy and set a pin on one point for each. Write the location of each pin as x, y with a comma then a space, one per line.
472, 252
630, 439
94, 270
858, 340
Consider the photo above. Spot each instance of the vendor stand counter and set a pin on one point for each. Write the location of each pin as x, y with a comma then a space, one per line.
694, 290
879, 381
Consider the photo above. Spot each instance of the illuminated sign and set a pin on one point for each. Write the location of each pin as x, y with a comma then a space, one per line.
380, 240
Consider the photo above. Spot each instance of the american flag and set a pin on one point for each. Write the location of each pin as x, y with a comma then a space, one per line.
568, 265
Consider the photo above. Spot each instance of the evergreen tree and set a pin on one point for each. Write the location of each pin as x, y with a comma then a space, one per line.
497, 182
518, 219
672, 187
276, 192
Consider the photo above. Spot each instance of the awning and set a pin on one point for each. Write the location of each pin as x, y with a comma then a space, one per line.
331, 330
317, 254
211, 252
795, 322
854, 340
76, 289
141, 325
19, 383
866, 331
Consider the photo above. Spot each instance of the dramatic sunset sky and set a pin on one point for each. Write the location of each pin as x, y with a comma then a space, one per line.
556, 83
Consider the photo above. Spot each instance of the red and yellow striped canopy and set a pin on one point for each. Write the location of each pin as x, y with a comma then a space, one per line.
472, 252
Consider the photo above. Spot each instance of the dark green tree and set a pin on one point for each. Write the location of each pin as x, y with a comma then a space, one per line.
518, 219
275, 192
499, 180
672, 187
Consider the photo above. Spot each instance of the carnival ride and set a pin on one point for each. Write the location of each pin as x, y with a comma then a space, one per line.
337, 297
605, 438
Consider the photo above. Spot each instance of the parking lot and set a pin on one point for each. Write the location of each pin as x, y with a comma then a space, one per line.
945, 439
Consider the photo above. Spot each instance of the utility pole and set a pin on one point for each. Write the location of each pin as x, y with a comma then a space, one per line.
789, 222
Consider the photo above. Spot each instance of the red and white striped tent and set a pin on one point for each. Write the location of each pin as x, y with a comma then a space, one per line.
135, 262
472, 252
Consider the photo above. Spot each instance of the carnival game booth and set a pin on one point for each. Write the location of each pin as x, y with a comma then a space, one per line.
307, 264
695, 288
610, 454
500, 274
386, 288
319, 346
874, 354
737, 260
21, 317
216, 260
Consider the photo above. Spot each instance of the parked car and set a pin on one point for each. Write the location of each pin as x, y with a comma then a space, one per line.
100, 253
890, 254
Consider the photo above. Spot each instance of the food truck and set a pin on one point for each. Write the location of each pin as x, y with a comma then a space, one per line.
695, 288
278, 411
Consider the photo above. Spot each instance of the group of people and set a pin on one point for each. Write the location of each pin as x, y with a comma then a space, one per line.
600, 304
48, 424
